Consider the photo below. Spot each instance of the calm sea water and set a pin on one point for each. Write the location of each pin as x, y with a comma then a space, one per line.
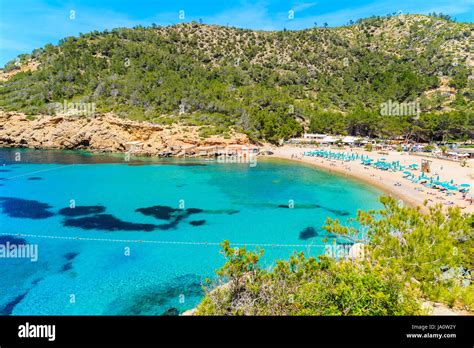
177, 209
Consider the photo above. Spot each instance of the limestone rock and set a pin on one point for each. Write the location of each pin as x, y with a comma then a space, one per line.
106, 133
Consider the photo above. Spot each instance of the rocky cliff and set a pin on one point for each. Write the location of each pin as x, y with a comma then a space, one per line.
107, 133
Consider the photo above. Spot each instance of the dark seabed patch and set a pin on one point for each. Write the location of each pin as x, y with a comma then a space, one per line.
221, 211
82, 210
35, 178
171, 312
107, 222
150, 301
10, 306
315, 206
308, 232
24, 208
173, 215
197, 222
36, 281
70, 256
66, 267
164, 212
5, 170
170, 226
338, 212
12, 240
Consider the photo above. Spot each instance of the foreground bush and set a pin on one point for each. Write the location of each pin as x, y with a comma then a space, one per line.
409, 257
305, 286
435, 250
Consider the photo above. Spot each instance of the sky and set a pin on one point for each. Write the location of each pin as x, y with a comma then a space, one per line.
29, 24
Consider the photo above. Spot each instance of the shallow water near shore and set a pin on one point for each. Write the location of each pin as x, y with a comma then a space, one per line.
142, 236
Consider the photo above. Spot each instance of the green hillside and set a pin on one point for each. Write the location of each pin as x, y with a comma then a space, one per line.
269, 85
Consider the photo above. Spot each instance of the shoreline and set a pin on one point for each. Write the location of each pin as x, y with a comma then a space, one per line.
412, 194
361, 179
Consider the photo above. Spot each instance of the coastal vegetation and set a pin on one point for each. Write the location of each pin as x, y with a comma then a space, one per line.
409, 257
269, 85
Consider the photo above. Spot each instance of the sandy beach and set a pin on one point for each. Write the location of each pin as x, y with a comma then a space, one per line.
390, 182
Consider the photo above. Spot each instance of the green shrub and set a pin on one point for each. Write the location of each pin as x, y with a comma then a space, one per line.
402, 265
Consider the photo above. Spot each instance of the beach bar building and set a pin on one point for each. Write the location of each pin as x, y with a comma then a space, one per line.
329, 140
463, 152
314, 136
348, 140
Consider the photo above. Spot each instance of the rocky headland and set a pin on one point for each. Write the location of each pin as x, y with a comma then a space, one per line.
108, 133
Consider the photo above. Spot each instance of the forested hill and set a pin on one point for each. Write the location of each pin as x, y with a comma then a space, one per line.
267, 84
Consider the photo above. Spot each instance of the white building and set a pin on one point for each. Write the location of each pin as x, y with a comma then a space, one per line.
348, 140
314, 136
328, 139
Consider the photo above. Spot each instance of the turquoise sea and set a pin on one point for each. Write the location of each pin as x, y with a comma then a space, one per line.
140, 237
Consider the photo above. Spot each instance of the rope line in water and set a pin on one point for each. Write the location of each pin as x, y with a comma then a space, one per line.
160, 241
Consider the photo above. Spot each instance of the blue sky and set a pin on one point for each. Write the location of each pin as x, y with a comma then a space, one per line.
29, 24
